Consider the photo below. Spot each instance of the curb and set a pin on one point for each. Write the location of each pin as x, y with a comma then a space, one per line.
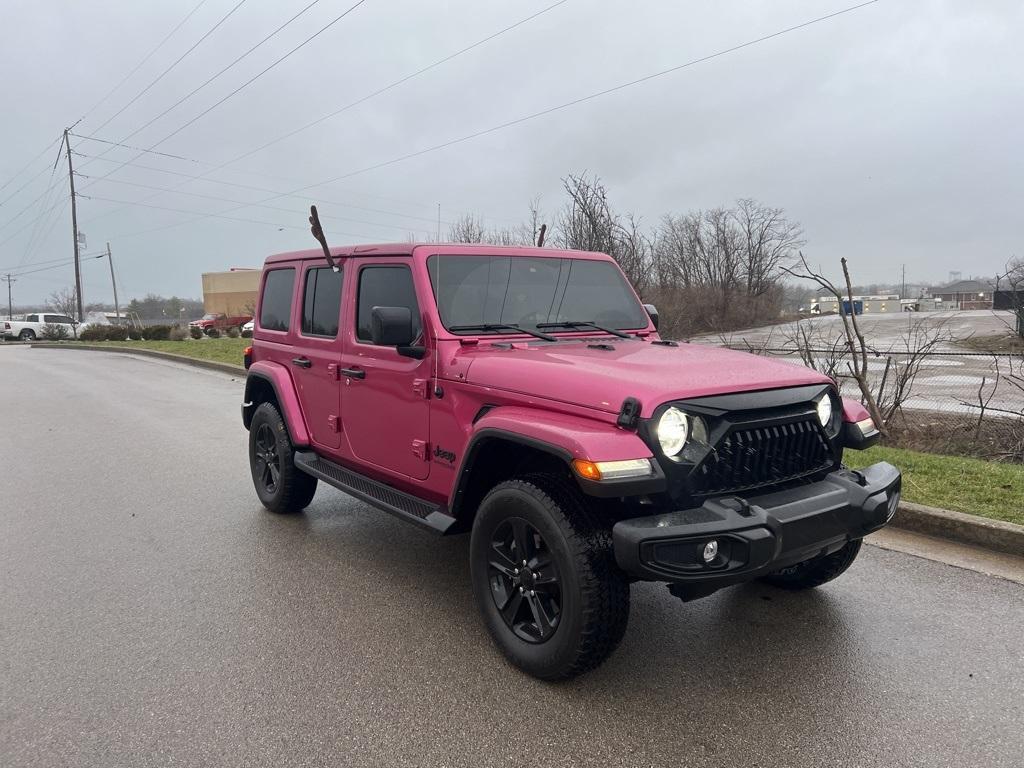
211, 365
994, 535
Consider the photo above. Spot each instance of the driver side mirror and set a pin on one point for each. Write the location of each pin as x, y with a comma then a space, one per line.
653, 312
392, 327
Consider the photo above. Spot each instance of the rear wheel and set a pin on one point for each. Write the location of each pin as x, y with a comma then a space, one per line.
545, 578
816, 571
280, 485
27, 334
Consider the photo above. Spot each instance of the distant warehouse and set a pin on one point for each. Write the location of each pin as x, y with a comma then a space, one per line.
232, 292
890, 303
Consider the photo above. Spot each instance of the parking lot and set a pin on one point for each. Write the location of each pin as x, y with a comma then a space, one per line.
949, 379
151, 613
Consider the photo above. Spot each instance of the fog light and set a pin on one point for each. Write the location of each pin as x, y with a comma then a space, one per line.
710, 551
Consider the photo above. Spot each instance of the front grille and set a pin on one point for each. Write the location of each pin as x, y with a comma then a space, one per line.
755, 457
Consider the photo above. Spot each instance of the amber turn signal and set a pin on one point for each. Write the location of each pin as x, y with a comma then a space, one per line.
586, 469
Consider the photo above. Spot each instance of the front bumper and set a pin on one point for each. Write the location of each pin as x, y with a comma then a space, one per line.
759, 534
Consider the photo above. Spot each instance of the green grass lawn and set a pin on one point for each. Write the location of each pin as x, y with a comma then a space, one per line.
223, 350
974, 486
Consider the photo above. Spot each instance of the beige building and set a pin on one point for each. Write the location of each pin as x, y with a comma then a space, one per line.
233, 292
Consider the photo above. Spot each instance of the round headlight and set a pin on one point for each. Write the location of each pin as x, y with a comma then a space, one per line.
673, 429
825, 410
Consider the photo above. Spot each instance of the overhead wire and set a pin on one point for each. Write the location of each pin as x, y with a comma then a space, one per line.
209, 80
552, 109
176, 62
350, 105
250, 81
389, 227
28, 165
144, 59
250, 187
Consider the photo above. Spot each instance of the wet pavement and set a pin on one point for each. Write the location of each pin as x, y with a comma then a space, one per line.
152, 614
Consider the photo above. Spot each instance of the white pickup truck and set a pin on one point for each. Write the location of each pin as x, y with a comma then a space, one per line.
31, 328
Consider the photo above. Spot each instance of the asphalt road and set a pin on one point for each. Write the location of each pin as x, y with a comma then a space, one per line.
152, 614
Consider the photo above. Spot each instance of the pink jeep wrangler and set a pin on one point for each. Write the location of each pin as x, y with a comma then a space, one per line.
524, 395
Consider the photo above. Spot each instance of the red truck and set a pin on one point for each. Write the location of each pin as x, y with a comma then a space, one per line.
525, 396
219, 322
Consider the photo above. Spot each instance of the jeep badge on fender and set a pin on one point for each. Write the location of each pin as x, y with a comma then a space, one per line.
579, 450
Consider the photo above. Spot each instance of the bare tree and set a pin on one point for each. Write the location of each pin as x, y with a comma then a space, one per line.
723, 263
64, 302
857, 365
588, 223
1013, 279
467, 229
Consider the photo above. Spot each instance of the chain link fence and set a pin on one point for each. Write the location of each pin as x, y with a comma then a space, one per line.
963, 403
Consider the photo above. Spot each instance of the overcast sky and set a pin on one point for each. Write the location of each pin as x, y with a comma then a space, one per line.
891, 133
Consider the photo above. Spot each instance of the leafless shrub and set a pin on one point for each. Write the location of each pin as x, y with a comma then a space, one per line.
903, 363
54, 332
857, 363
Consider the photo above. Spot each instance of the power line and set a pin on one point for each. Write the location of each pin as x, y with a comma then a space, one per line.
398, 82
251, 80
145, 58
129, 146
558, 107
177, 61
219, 216
361, 100
591, 96
178, 191
28, 224
217, 198
196, 90
28, 207
27, 166
56, 266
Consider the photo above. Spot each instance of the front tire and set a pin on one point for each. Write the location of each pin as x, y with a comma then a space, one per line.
563, 612
280, 485
816, 571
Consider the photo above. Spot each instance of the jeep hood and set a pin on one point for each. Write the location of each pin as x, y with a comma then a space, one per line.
580, 373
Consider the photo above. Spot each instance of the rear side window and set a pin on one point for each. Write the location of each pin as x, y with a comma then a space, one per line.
389, 286
321, 302
276, 305
31, 318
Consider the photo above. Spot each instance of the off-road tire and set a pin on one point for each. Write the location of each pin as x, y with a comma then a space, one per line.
816, 571
594, 592
294, 489
27, 334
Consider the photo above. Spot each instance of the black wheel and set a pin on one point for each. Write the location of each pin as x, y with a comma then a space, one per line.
281, 486
817, 571
27, 334
545, 578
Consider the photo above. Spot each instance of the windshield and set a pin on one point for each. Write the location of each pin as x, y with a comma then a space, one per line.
527, 292
210, 316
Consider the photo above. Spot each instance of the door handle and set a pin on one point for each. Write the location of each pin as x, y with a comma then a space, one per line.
302, 362
353, 373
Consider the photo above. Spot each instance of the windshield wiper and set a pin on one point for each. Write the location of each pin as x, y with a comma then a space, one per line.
502, 327
584, 324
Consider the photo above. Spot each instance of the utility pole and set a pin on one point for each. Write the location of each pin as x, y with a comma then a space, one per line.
113, 284
439, 222
903, 292
10, 306
74, 227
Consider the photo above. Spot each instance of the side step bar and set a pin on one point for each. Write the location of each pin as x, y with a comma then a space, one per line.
403, 505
